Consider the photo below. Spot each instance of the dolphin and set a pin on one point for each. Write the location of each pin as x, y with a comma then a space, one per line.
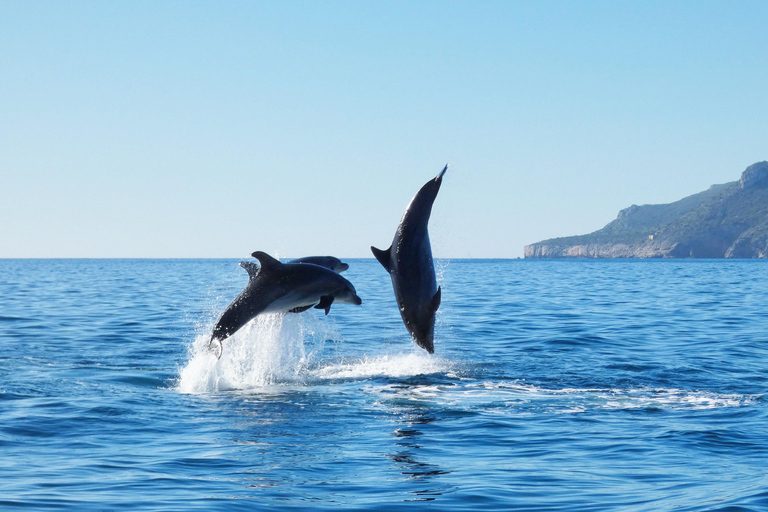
330, 262
277, 287
409, 263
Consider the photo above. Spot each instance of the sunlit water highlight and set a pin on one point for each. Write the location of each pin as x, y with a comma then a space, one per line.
557, 385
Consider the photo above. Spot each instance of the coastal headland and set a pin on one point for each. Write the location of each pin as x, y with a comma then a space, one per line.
725, 221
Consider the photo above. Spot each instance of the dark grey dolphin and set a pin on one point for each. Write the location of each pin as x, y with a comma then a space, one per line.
330, 262
277, 287
409, 263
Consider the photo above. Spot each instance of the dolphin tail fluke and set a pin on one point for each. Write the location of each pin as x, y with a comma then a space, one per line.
325, 303
251, 268
216, 346
384, 257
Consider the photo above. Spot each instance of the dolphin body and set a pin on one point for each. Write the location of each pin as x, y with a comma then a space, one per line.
330, 262
277, 287
409, 263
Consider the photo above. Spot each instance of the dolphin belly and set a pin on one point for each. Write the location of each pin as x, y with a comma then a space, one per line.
292, 300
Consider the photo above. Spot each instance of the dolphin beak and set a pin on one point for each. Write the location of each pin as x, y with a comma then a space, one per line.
357, 300
440, 176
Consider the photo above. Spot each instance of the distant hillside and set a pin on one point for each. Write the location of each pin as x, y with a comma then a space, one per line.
726, 221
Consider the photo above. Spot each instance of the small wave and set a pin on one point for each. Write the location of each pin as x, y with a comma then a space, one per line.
521, 397
640, 398
647, 398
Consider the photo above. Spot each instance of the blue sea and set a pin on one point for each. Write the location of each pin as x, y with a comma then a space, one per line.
593, 385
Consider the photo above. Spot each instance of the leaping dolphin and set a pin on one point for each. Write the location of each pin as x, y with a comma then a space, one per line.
277, 287
409, 263
330, 262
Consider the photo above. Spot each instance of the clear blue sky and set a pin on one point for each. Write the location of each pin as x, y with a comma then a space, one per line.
213, 129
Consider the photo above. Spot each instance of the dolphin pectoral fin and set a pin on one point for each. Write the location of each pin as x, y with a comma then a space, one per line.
384, 257
266, 261
300, 309
436, 300
325, 303
251, 268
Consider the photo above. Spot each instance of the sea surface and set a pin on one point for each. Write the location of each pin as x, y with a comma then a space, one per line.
556, 385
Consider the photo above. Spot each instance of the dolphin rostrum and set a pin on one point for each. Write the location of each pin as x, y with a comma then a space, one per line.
330, 262
409, 263
277, 287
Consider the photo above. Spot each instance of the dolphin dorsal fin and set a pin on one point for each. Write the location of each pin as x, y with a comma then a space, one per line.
384, 257
266, 261
251, 268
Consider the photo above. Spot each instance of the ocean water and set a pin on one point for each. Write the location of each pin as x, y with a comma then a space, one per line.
556, 385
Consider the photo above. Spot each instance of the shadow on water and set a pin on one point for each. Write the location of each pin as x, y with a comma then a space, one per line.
417, 420
410, 460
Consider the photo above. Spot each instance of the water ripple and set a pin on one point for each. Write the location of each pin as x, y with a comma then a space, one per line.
560, 385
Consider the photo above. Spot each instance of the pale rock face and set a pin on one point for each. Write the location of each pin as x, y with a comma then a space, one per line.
756, 175
645, 250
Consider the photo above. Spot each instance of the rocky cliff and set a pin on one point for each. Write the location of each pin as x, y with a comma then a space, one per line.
726, 221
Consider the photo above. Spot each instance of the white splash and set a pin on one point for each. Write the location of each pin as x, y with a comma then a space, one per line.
273, 348
282, 349
389, 365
